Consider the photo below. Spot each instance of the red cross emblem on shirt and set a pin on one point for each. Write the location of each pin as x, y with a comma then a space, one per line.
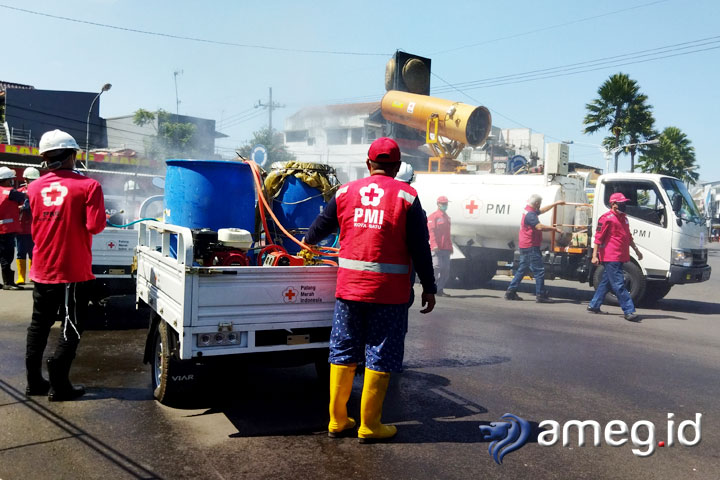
370, 195
54, 195
289, 295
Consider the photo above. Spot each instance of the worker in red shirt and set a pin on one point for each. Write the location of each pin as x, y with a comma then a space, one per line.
612, 248
529, 242
440, 243
67, 210
382, 230
24, 237
10, 200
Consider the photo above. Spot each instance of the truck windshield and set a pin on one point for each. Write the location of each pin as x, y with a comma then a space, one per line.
688, 210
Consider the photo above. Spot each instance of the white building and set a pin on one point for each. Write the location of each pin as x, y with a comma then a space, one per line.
340, 135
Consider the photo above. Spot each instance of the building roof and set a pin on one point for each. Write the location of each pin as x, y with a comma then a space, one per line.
339, 110
5, 85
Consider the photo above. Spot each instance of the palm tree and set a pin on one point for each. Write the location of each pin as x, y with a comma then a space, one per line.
674, 156
639, 125
622, 110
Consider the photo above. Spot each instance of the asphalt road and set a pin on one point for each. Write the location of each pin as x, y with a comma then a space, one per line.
474, 359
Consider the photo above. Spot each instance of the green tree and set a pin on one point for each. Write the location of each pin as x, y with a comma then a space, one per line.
173, 139
640, 127
674, 156
277, 151
621, 110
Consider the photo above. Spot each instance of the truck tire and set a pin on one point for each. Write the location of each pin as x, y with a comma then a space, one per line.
635, 283
655, 291
172, 379
471, 273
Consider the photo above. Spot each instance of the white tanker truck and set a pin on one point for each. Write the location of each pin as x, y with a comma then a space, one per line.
486, 209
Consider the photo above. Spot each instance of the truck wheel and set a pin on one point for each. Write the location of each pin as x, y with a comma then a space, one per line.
654, 292
471, 273
634, 282
170, 377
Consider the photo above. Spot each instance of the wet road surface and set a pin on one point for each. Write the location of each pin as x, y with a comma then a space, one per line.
474, 359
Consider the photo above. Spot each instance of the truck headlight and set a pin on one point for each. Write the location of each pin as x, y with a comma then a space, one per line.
682, 257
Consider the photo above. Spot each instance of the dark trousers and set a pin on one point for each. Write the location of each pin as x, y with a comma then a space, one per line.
49, 306
25, 245
7, 250
530, 259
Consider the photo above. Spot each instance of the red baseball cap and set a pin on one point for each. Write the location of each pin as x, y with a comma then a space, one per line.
618, 198
442, 199
384, 146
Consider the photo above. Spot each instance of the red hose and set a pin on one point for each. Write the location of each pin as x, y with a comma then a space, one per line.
323, 251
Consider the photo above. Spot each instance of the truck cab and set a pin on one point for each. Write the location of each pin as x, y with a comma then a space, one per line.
667, 228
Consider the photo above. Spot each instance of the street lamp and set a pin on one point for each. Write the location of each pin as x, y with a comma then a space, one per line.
105, 88
615, 152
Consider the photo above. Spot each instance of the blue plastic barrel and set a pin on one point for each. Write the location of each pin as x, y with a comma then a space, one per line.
296, 206
210, 194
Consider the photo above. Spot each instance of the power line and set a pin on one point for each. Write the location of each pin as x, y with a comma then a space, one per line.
191, 39
551, 27
605, 62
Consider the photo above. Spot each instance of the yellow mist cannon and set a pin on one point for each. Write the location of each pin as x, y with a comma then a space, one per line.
448, 125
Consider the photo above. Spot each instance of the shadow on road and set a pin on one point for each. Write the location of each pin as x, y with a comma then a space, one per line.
688, 306
292, 402
118, 313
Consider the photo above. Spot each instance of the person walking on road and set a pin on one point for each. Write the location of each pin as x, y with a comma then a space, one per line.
67, 210
529, 241
440, 243
382, 230
24, 237
10, 200
611, 249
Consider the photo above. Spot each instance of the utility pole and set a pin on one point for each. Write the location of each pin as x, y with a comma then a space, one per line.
270, 107
177, 99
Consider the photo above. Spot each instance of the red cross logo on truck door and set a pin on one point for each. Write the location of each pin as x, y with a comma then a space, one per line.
370, 195
111, 245
472, 207
54, 195
290, 295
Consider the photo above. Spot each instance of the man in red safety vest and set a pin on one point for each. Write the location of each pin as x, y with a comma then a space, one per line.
382, 230
529, 241
10, 200
440, 243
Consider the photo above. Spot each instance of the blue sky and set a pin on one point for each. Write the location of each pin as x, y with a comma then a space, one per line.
467, 41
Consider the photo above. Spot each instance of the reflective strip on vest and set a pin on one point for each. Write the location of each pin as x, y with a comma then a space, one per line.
373, 266
341, 190
408, 197
7, 220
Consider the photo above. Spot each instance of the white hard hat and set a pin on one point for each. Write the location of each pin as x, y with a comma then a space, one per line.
57, 140
32, 173
6, 173
405, 173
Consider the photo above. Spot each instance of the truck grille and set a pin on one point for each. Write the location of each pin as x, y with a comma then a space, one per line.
699, 257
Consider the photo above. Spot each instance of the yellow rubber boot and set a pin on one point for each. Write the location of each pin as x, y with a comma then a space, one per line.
29, 265
21, 272
373, 396
341, 381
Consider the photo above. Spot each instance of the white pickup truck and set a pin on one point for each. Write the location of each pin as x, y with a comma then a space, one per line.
211, 315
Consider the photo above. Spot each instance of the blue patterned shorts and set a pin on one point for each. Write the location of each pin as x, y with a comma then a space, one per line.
368, 332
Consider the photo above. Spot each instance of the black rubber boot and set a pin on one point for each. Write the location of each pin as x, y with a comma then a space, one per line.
36, 384
9, 280
61, 389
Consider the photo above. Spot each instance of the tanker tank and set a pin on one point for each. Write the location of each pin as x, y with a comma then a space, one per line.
486, 209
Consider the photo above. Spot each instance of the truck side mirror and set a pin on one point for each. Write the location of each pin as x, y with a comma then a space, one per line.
677, 202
